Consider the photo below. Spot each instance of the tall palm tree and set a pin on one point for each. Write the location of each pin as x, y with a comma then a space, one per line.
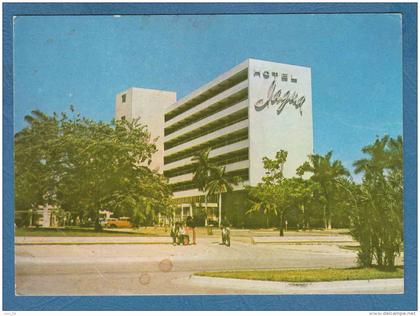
220, 183
395, 147
202, 172
374, 166
382, 190
326, 173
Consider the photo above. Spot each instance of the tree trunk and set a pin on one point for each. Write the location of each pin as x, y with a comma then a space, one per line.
325, 218
31, 218
97, 224
281, 224
303, 217
379, 257
389, 260
220, 208
327, 210
329, 222
307, 220
205, 209
378, 251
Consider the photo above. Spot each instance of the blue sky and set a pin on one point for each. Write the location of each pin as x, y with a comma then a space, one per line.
356, 62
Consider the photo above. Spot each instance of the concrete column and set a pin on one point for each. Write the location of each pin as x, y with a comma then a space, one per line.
46, 217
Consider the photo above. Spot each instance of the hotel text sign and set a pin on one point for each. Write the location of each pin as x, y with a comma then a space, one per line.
278, 97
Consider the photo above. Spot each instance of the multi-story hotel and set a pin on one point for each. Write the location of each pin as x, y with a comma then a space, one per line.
147, 105
251, 111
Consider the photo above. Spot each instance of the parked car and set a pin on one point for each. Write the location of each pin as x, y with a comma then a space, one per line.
122, 222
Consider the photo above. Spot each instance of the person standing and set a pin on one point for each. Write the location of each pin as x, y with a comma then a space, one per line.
191, 228
174, 233
184, 238
225, 229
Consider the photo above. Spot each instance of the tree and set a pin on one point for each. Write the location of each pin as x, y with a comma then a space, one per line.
271, 198
272, 194
220, 183
377, 219
85, 166
36, 161
143, 200
374, 166
202, 174
326, 173
302, 197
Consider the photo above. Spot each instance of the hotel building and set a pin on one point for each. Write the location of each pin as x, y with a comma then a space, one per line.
251, 111
147, 105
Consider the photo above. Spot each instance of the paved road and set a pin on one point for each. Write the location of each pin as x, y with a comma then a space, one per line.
157, 269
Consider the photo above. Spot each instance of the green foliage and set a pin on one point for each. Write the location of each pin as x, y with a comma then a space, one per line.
83, 166
373, 210
274, 167
307, 275
201, 178
296, 200
377, 217
272, 195
210, 179
303, 200
219, 183
36, 163
202, 170
326, 174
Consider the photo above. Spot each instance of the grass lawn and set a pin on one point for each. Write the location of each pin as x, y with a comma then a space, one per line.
75, 231
349, 247
308, 275
79, 232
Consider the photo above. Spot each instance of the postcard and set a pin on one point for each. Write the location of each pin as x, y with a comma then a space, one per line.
190, 155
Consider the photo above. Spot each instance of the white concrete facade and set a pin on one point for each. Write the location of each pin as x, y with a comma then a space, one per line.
252, 111
148, 105
280, 115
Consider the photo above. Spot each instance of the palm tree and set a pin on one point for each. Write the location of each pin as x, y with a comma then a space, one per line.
202, 172
326, 173
271, 199
382, 190
378, 161
220, 183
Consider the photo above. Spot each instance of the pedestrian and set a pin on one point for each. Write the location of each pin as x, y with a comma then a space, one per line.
174, 233
191, 228
225, 229
183, 237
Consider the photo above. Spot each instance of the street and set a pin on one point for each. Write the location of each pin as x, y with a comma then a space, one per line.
136, 269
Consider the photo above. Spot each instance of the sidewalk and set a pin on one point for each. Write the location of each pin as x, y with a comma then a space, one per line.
115, 240
112, 240
377, 286
310, 239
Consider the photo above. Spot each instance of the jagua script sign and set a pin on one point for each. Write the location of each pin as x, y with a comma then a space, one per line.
278, 97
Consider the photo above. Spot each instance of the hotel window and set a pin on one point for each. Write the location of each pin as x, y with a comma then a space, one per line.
123, 97
294, 80
283, 77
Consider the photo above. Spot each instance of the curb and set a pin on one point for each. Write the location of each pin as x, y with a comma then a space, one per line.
303, 242
92, 243
372, 286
